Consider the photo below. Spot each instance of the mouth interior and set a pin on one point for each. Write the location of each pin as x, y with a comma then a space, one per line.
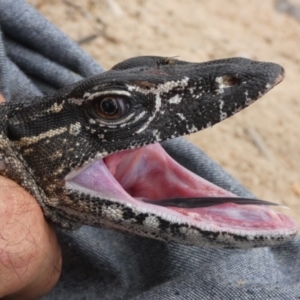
149, 173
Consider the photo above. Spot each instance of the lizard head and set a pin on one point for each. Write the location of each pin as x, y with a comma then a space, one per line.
93, 148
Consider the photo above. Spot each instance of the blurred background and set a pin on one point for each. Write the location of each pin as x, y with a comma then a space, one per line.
260, 146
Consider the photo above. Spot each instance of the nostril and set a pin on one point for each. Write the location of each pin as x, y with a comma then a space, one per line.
228, 80
223, 82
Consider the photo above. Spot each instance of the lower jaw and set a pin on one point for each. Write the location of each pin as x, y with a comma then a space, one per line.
149, 173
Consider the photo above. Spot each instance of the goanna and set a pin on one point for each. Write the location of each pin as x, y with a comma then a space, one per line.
90, 153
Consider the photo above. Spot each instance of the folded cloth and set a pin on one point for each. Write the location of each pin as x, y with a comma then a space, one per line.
37, 58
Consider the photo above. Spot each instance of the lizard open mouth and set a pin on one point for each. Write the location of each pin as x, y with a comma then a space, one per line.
143, 191
147, 176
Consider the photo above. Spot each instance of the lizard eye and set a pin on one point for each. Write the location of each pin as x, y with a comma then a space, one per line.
111, 107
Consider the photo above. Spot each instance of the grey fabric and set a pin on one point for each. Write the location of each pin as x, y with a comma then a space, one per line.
103, 264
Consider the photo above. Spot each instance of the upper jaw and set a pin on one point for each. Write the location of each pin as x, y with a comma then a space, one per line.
127, 177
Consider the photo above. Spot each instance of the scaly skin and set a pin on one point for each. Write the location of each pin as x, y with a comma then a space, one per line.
46, 142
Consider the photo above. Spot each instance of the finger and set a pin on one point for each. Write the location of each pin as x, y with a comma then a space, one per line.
30, 258
2, 99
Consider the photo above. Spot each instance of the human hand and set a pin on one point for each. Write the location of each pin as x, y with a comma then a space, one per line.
30, 258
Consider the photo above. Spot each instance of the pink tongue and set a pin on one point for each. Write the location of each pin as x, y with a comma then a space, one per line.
150, 173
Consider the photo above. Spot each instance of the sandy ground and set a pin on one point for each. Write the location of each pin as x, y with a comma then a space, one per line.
199, 30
